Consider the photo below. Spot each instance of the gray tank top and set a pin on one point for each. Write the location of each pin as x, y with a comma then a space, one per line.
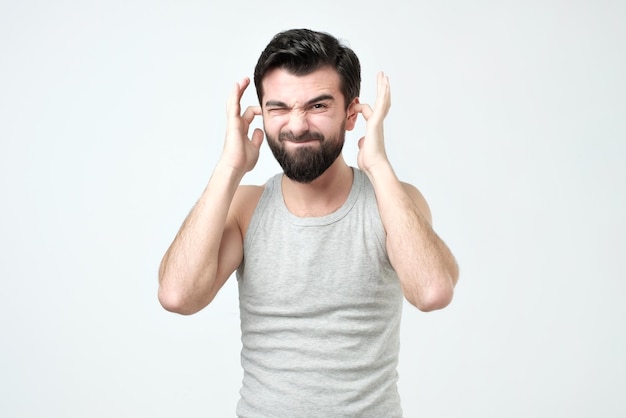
320, 310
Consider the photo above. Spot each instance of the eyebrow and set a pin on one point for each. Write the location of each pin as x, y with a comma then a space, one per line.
321, 98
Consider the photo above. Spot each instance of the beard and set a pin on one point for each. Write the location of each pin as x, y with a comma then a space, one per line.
306, 163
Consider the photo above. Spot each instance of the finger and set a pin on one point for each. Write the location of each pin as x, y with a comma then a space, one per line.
250, 113
383, 94
233, 107
243, 85
364, 109
257, 137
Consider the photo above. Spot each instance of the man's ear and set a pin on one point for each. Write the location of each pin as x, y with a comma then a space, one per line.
352, 115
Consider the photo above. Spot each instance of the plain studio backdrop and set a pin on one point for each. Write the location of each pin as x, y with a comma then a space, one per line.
509, 116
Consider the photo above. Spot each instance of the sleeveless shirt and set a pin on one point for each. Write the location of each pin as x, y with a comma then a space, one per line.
320, 309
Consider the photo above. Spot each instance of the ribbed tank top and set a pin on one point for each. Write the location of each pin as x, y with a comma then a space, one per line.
320, 309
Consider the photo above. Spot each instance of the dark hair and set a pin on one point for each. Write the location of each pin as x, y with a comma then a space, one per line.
302, 51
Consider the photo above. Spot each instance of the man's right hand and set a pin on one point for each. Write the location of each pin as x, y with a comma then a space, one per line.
241, 153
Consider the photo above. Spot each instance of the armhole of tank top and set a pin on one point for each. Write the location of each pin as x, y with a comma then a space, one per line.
374, 213
256, 213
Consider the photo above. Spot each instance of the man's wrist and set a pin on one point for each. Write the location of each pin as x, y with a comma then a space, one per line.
381, 172
226, 170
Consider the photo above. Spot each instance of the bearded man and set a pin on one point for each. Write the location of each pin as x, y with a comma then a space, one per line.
324, 253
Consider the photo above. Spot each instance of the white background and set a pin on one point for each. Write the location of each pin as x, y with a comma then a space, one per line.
509, 116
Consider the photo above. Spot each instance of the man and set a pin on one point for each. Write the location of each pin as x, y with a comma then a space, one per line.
324, 252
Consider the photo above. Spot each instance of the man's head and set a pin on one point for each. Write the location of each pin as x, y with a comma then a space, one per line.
306, 83
302, 51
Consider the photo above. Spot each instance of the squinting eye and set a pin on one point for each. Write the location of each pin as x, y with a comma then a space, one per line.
319, 106
277, 111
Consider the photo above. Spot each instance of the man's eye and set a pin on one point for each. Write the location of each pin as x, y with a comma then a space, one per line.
319, 106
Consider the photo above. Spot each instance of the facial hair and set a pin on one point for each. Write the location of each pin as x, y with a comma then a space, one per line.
306, 163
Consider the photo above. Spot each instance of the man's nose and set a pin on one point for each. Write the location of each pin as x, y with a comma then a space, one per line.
298, 122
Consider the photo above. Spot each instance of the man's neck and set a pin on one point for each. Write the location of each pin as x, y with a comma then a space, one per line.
322, 196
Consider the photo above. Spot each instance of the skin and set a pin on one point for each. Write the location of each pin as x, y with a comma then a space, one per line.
209, 245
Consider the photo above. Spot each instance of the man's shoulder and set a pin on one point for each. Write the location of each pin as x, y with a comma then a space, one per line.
248, 195
245, 202
250, 189
418, 198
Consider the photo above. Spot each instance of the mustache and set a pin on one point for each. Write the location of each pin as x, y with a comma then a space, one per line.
305, 136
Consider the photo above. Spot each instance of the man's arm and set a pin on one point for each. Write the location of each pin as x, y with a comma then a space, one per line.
427, 269
209, 245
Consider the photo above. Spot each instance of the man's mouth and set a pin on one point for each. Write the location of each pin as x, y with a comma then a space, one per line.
307, 137
303, 140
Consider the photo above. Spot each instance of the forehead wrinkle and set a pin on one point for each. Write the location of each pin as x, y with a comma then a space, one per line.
320, 98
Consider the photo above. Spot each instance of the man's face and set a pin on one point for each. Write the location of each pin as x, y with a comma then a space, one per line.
304, 118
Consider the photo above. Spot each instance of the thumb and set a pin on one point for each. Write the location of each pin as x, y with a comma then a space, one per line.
257, 137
